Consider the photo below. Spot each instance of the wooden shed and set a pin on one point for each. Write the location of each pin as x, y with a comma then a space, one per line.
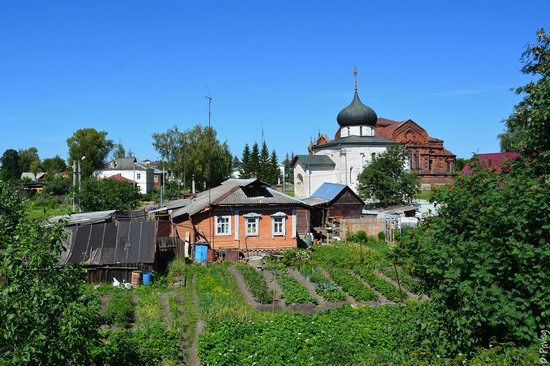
334, 201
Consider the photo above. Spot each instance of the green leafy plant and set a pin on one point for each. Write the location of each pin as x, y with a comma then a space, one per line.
120, 309
293, 291
385, 288
323, 286
256, 283
351, 284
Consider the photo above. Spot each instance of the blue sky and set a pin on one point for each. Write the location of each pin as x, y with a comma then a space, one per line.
133, 68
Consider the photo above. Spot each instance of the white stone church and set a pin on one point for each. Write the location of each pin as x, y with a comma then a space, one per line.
340, 160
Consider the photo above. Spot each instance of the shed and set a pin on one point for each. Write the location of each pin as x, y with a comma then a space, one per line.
333, 200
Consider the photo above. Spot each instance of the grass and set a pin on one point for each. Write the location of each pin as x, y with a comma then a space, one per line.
424, 195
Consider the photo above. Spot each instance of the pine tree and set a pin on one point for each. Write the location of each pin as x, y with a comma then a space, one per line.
255, 160
264, 171
244, 169
274, 168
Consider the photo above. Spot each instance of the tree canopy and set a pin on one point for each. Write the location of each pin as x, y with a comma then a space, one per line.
29, 161
197, 152
54, 165
48, 318
91, 144
484, 257
9, 162
386, 180
260, 163
107, 194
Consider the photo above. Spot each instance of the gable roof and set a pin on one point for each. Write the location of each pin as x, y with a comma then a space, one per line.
125, 164
32, 176
313, 160
231, 193
328, 192
120, 178
356, 140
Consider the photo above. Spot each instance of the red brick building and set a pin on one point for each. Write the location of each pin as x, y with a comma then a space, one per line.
427, 156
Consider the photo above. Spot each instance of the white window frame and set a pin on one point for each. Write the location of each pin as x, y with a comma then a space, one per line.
274, 217
252, 218
223, 224
138, 176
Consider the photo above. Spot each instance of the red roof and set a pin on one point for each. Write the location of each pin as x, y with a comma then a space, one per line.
491, 161
120, 178
383, 122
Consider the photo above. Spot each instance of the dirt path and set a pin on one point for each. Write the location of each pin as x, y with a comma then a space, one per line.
349, 299
381, 299
168, 319
294, 273
249, 297
419, 297
274, 287
104, 301
194, 359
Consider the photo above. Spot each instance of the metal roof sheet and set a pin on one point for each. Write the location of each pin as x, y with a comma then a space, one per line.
269, 196
314, 160
314, 201
329, 191
356, 140
84, 217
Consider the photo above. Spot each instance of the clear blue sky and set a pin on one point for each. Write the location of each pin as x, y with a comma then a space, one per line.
133, 68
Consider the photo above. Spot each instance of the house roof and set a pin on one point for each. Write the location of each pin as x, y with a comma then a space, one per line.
120, 178
84, 217
315, 201
491, 161
357, 140
383, 122
109, 243
313, 160
329, 191
235, 192
32, 176
125, 164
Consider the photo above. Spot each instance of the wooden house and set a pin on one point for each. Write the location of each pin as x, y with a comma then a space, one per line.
242, 214
333, 201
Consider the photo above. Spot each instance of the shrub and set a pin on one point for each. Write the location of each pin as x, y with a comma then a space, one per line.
381, 235
361, 236
176, 268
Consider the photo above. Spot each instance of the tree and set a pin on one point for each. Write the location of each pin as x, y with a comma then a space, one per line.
119, 152
460, 163
255, 160
107, 194
244, 169
528, 127
54, 165
289, 170
264, 170
91, 144
387, 181
56, 185
29, 161
273, 168
484, 257
10, 165
197, 152
47, 315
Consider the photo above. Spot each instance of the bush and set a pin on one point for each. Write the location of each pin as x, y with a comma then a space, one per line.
296, 257
381, 235
176, 268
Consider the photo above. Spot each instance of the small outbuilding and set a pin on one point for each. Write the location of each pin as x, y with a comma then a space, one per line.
334, 201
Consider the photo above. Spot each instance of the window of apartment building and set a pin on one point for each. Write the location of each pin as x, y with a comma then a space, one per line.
223, 225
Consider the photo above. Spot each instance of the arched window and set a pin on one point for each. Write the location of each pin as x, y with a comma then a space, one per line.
300, 179
351, 180
430, 165
361, 131
372, 156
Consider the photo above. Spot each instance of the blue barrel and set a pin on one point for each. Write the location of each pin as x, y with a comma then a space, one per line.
201, 252
147, 278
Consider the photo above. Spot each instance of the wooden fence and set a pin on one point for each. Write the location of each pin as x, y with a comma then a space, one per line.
370, 224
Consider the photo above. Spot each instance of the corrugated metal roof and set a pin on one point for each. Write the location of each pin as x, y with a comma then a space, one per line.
329, 191
314, 160
111, 243
84, 217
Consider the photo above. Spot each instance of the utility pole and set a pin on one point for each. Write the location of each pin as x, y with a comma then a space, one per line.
161, 186
208, 177
74, 185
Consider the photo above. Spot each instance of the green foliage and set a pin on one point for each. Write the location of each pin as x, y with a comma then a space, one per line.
260, 163
351, 284
173, 190
484, 257
323, 286
54, 165
296, 257
389, 291
56, 185
29, 161
120, 309
176, 268
293, 291
256, 283
528, 127
9, 163
460, 163
47, 316
11, 212
92, 144
387, 181
107, 194
197, 152
138, 347
405, 279
381, 235
359, 237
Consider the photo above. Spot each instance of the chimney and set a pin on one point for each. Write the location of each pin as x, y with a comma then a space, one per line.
193, 184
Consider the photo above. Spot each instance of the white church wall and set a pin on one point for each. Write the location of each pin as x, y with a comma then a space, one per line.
357, 131
308, 179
